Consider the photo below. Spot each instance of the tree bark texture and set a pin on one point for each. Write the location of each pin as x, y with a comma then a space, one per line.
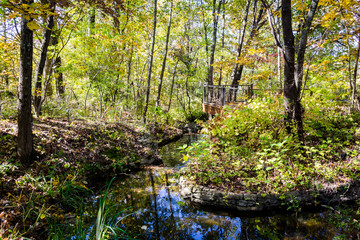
24, 139
147, 94
293, 76
290, 91
60, 88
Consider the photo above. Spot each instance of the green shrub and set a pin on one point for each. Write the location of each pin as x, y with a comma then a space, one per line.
249, 148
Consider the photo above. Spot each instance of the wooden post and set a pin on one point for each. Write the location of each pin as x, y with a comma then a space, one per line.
222, 97
204, 93
250, 91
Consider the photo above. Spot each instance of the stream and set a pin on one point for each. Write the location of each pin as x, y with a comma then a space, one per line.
150, 207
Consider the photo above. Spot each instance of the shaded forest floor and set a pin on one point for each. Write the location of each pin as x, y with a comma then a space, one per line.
72, 160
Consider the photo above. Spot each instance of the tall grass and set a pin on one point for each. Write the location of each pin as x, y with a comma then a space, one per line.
105, 226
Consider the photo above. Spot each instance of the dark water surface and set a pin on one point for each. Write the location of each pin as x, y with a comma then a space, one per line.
151, 207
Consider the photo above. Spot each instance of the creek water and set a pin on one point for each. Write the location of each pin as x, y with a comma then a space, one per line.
150, 207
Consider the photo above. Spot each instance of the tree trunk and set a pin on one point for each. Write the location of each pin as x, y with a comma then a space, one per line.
147, 95
165, 56
279, 53
129, 84
213, 46
24, 139
300, 67
290, 91
238, 68
92, 20
6, 75
205, 34
60, 88
237, 71
43, 55
292, 79
355, 98
172, 85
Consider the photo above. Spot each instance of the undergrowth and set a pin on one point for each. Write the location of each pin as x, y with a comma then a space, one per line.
72, 160
248, 149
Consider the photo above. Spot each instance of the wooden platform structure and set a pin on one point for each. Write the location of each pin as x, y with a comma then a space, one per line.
215, 97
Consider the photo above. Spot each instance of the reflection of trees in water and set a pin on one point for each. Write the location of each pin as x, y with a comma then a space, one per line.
155, 203
149, 196
310, 226
171, 154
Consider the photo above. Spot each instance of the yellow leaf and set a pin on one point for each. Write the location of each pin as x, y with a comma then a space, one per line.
42, 216
33, 25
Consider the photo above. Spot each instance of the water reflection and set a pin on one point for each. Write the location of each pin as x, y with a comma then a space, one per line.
171, 154
160, 213
152, 199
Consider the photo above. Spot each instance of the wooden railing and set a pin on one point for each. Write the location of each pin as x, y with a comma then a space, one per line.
226, 94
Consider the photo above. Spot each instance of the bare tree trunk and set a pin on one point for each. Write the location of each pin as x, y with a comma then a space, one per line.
222, 46
147, 95
24, 139
92, 20
292, 79
290, 91
213, 45
302, 47
279, 55
172, 85
165, 56
355, 98
300, 68
279, 51
238, 68
6, 76
205, 34
43, 55
60, 88
129, 84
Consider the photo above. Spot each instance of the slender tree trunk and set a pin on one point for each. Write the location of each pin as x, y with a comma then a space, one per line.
48, 91
172, 85
279, 55
300, 67
60, 88
213, 45
351, 82
302, 47
42, 60
188, 94
165, 56
355, 98
129, 71
147, 95
222, 46
279, 51
92, 20
6, 75
238, 68
24, 139
205, 34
